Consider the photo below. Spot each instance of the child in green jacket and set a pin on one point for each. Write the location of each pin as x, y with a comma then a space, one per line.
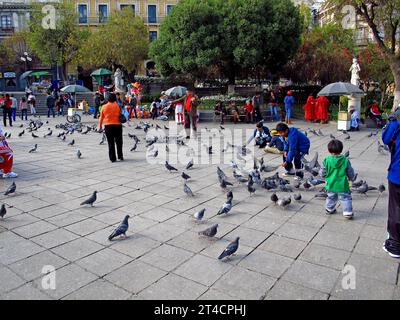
337, 171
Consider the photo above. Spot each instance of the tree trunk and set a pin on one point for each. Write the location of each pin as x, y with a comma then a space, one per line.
395, 67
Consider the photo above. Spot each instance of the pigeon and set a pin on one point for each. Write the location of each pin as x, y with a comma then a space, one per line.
134, 147
284, 202
221, 174
155, 154
210, 150
165, 127
189, 165
34, 135
381, 188
64, 137
363, 189
185, 176
320, 132
121, 229
166, 148
226, 207
3, 210
72, 142
79, 154
297, 197
315, 182
169, 167
370, 135
358, 184
230, 249
11, 189
347, 154
222, 128
347, 137
187, 190
21, 133
91, 200
199, 214
321, 195
21, 125
274, 198
239, 178
210, 232
33, 149
229, 196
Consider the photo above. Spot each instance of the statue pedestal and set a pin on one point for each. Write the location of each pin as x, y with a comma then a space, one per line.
355, 101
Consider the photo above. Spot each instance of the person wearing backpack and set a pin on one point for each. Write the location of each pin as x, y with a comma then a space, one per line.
391, 138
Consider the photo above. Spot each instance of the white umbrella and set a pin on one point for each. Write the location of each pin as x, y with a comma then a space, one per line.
340, 89
178, 91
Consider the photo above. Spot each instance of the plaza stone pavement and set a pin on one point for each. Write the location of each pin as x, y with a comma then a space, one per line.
297, 253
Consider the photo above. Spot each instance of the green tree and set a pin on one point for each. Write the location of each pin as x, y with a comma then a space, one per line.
383, 19
236, 36
59, 45
121, 42
324, 56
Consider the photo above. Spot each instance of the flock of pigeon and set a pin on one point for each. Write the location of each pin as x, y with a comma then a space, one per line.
306, 179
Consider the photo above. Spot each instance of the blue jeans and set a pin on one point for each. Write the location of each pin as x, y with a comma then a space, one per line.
13, 113
296, 160
50, 110
24, 112
288, 111
274, 112
345, 199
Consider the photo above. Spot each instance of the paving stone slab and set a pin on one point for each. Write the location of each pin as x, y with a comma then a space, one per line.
285, 290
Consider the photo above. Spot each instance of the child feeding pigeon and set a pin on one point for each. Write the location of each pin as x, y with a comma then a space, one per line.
337, 171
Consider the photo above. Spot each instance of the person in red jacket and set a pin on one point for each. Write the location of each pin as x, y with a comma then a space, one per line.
309, 109
322, 113
6, 104
249, 110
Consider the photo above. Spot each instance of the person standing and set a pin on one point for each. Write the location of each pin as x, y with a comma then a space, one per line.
309, 109
391, 137
32, 104
14, 105
6, 105
322, 113
97, 104
257, 101
110, 115
23, 107
289, 102
6, 157
50, 102
273, 107
132, 104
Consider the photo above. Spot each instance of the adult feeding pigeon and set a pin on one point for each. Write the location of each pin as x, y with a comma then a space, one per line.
121, 229
230, 249
391, 137
299, 145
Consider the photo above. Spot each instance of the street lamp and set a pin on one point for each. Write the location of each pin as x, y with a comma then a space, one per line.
25, 58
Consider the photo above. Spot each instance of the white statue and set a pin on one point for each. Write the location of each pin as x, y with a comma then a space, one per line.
119, 81
355, 70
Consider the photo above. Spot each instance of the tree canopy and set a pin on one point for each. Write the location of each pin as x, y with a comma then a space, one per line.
122, 41
235, 36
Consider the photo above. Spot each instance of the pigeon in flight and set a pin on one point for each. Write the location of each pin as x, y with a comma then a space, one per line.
189, 165
91, 200
210, 232
21, 133
121, 229
72, 142
11, 189
230, 249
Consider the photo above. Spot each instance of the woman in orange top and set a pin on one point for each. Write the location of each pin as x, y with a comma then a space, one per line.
109, 114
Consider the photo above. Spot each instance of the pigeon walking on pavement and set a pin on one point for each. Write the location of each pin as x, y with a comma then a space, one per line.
33, 149
230, 249
91, 200
3, 210
169, 167
226, 207
210, 232
11, 189
187, 190
121, 229
199, 214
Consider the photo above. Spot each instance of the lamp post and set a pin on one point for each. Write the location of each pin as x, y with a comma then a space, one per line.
25, 58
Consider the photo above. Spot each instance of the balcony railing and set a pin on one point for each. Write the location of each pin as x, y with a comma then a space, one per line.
97, 20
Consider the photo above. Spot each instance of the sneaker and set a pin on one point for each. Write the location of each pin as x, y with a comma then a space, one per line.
348, 215
397, 256
10, 175
330, 211
289, 173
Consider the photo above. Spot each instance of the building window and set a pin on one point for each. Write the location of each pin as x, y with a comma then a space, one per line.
153, 35
169, 8
83, 13
103, 12
123, 6
6, 22
152, 13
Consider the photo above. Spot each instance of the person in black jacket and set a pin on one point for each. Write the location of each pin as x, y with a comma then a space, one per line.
261, 135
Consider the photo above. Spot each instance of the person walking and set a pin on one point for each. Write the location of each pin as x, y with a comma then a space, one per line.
23, 107
50, 102
289, 102
110, 115
97, 104
391, 137
6, 157
6, 105
14, 106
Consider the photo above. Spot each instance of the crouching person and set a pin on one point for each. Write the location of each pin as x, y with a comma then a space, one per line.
6, 157
261, 135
